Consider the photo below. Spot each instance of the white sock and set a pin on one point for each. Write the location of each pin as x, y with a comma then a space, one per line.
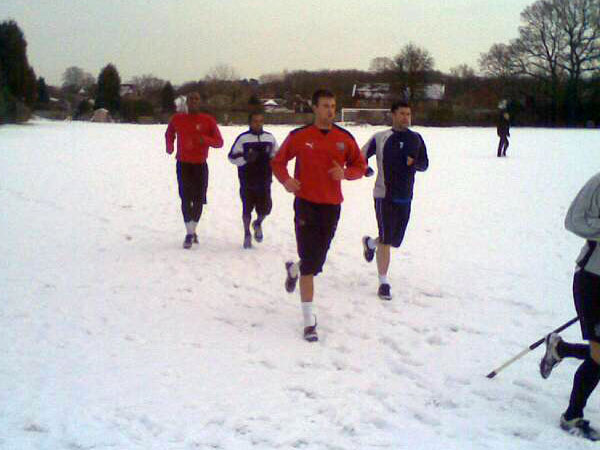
308, 314
189, 227
372, 243
383, 279
194, 225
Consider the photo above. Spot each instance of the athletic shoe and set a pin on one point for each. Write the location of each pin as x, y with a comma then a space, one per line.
195, 240
579, 427
291, 280
310, 333
247, 241
187, 242
368, 252
550, 358
258, 234
384, 292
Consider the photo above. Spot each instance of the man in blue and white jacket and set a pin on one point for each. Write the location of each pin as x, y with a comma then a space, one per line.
252, 152
400, 152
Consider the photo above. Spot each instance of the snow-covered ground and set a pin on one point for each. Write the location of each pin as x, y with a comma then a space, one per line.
114, 337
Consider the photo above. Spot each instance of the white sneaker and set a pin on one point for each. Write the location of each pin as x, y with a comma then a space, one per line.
579, 427
550, 358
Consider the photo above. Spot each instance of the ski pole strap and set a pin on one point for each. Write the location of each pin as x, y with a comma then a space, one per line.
591, 247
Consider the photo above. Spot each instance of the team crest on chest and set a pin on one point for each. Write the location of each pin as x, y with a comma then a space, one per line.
341, 146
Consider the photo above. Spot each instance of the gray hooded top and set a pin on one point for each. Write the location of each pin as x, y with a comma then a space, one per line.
583, 219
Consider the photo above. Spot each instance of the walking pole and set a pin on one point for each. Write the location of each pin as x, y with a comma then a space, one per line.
535, 345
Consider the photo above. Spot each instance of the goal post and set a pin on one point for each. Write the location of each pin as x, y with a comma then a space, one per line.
371, 116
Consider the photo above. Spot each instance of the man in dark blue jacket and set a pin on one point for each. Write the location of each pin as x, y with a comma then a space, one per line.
252, 152
503, 131
400, 152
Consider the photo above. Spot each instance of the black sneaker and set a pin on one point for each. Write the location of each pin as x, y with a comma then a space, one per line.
550, 358
187, 242
290, 281
258, 234
247, 241
195, 239
384, 292
310, 333
368, 252
579, 427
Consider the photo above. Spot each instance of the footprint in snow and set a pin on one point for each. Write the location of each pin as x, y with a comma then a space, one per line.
303, 391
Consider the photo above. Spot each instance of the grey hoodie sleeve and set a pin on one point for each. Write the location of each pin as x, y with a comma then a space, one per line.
583, 217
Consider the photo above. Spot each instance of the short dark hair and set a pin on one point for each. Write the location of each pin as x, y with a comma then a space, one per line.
321, 93
258, 112
399, 104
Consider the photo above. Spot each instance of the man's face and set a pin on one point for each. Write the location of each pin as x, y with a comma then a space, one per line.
325, 110
193, 102
401, 117
256, 123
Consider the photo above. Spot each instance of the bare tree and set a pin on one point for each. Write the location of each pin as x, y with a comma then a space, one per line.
382, 64
462, 71
413, 59
148, 83
412, 64
580, 22
558, 40
271, 77
537, 50
75, 78
222, 72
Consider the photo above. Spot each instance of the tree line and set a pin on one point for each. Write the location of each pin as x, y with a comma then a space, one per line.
549, 75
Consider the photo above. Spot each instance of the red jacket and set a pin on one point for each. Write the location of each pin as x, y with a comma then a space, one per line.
315, 152
189, 128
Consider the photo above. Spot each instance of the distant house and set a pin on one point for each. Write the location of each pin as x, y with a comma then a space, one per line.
269, 104
101, 115
434, 91
373, 94
301, 105
274, 105
129, 90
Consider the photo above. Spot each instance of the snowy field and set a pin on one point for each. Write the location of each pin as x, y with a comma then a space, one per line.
114, 337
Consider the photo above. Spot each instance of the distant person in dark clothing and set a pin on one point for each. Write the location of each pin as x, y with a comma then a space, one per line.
503, 130
252, 152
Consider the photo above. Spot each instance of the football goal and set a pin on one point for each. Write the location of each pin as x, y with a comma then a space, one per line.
371, 116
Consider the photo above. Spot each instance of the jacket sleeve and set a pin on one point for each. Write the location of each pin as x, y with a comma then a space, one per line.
369, 148
356, 165
170, 136
214, 140
583, 217
422, 162
236, 154
274, 147
279, 162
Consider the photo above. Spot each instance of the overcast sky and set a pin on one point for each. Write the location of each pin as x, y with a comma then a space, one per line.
180, 40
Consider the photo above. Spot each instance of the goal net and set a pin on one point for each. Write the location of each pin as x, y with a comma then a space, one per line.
371, 116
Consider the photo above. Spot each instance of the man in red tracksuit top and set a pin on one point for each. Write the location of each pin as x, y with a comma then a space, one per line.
325, 154
195, 133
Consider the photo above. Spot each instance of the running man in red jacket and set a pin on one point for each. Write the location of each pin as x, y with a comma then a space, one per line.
195, 133
325, 154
